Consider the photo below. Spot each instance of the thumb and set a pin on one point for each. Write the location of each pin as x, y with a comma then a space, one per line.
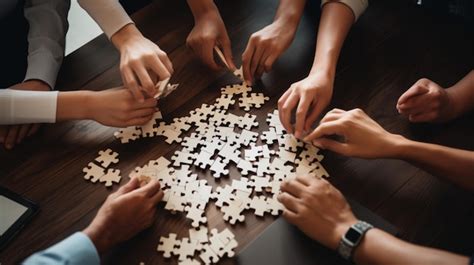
131, 185
332, 145
227, 50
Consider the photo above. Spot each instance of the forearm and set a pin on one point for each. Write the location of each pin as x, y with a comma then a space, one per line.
290, 12
200, 8
336, 21
125, 34
462, 94
109, 15
454, 164
378, 247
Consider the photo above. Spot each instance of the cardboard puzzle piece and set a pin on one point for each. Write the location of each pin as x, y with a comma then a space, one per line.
167, 245
236, 89
112, 176
218, 168
274, 206
270, 136
149, 129
203, 160
199, 235
213, 145
192, 142
182, 157
93, 172
187, 248
125, 135
230, 153
247, 122
107, 157
260, 183
223, 195
195, 214
224, 101
289, 142
259, 205
208, 256
233, 211
252, 100
246, 167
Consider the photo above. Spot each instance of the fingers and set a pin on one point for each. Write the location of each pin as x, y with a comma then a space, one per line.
290, 202
145, 79
131, 83
139, 121
140, 113
255, 62
415, 90
333, 115
151, 188
24, 129
157, 197
269, 61
325, 129
329, 144
11, 137
317, 109
207, 55
290, 216
159, 68
301, 113
247, 60
285, 110
294, 188
226, 49
166, 61
304, 179
423, 117
132, 184
33, 129
3, 133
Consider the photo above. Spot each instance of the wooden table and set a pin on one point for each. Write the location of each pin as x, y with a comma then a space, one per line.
393, 45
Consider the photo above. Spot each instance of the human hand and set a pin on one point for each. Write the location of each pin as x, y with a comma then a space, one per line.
209, 31
141, 62
118, 108
308, 97
363, 137
264, 47
124, 213
426, 101
11, 135
316, 208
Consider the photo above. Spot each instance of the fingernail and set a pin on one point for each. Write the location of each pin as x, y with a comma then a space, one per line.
297, 134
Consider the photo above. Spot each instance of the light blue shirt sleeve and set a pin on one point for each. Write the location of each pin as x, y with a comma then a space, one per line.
77, 249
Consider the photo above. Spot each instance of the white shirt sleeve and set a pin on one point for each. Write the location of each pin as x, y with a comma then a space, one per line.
357, 6
109, 14
23, 107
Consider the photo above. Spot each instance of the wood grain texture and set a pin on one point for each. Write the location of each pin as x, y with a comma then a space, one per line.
393, 45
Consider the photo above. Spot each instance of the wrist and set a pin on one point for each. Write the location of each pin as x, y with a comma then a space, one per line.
202, 9
458, 102
99, 238
73, 105
401, 147
339, 231
124, 35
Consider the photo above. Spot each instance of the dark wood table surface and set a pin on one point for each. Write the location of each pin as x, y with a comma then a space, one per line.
392, 46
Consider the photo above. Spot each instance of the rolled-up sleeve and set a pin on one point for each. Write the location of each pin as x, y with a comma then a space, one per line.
357, 6
23, 106
109, 14
77, 249
46, 38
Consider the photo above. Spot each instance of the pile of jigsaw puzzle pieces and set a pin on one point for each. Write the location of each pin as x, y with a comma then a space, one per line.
214, 139
210, 248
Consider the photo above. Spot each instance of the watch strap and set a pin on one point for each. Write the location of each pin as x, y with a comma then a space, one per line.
346, 247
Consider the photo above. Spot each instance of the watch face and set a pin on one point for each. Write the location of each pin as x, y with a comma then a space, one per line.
353, 235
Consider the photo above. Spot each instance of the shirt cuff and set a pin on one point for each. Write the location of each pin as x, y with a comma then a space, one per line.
43, 66
23, 107
109, 15
357, 6
77, 249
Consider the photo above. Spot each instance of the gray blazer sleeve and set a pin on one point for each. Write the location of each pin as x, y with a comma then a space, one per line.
46, 38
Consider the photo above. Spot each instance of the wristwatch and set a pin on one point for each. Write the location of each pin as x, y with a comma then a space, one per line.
352, 239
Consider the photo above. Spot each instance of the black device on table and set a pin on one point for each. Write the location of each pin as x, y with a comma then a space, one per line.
15, 212
282, 243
